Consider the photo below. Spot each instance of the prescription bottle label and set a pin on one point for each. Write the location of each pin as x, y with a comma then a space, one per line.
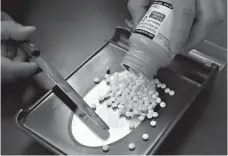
156, 24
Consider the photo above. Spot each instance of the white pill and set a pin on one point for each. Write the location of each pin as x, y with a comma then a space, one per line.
158, 85
145, 137
143, 114
147, 103
93, 106
120, 106
128, 114
136, 112
141, 118
111, 94
130, 107
139, 93
156, 81
131, 126
145, 89
107, 76
96, 80
146, 98
140, 107
114, 105
150, 93
155, 114
167, 90
129, 97
135, 98
114, 90
132, 114
131, 102
130, 87
162, 104
131, 146
109, 103
140, 101
158, 100
154, 104
112, 99
144, 108
156, 93
127, 90
105, 148
153, 123
163, 86
133, 93
154, 96
149, 116
106, 96
149, 107
101, 99
171, 92
135, 105
115, 74
151, 111
119, 93
121, 111
108, 70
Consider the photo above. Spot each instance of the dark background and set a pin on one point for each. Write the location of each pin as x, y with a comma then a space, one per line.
68, 31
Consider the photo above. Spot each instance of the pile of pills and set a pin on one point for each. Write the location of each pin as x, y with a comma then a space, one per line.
133, 96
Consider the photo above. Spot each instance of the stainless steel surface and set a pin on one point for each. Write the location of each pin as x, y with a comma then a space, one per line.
86, 112
119, 126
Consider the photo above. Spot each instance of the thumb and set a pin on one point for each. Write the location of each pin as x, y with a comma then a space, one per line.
137, 9
12, 71
15, 31
184, 14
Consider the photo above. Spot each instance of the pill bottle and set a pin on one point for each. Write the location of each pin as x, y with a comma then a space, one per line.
149, 44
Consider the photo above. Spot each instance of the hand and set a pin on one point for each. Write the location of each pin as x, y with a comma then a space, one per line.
13, 59
193, 19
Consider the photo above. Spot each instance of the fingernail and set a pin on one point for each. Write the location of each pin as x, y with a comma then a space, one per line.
29, 29
25, 32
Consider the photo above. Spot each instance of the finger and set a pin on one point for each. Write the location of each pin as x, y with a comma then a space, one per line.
129, 23
20, 56
12, 71
23, 69
205, 20
210, 10
137, 9
10, 51
197, 35
15, 31
3, 50
184, 13
5, 17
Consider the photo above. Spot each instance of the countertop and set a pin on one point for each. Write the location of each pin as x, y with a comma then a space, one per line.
67, 33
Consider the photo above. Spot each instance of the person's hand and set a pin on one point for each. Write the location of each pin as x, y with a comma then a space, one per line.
13, 59
193, 19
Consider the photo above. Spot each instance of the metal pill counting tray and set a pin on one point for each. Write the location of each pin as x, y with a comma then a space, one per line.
52, 123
